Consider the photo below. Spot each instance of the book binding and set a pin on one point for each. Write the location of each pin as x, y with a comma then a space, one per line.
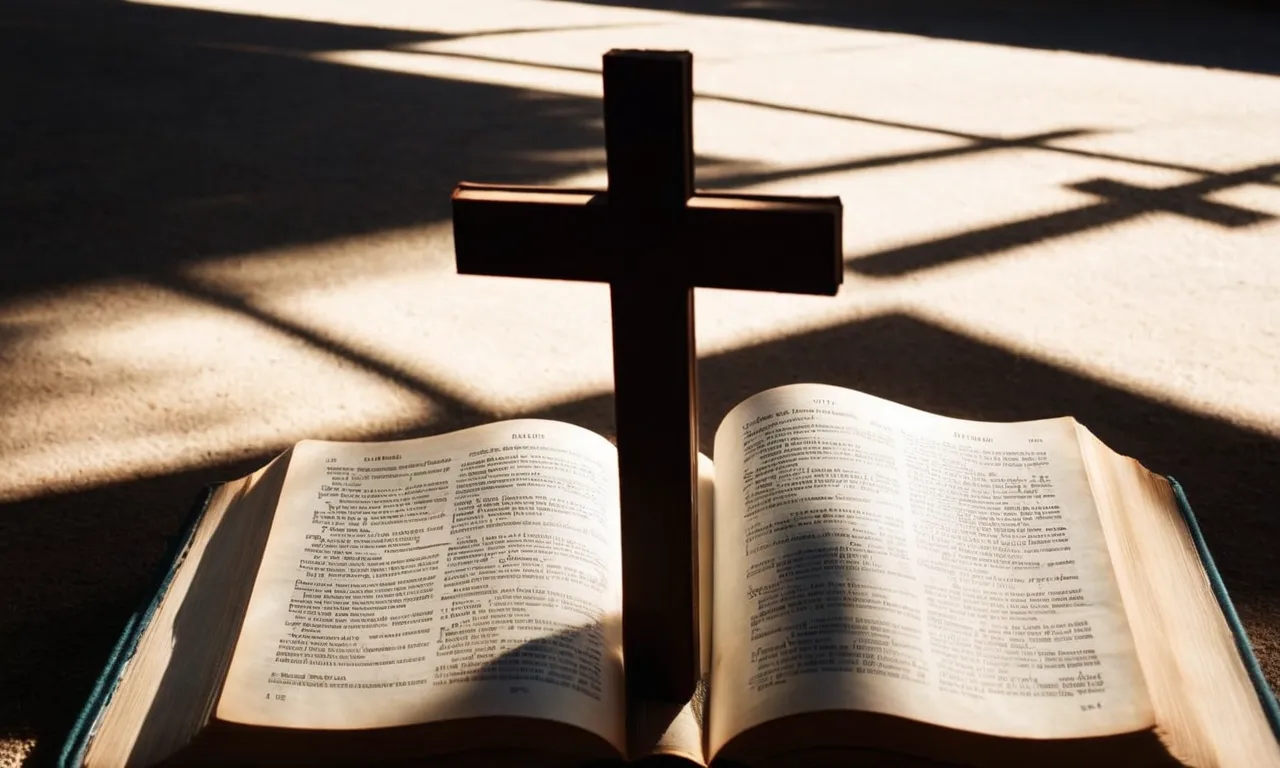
1266, 698
82, 730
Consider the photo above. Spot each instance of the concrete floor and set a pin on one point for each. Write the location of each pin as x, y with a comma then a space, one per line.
223, 232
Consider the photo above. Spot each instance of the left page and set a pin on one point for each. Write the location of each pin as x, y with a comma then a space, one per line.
471, 574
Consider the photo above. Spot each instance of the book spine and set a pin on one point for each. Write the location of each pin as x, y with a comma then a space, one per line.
1266, 697
82, 730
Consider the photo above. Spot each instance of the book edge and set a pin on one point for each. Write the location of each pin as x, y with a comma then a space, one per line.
1266, 698
86, 723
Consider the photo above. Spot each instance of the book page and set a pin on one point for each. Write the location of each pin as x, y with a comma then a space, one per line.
873, 557
471, 574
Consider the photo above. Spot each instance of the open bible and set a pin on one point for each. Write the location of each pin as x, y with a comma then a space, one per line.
885, 586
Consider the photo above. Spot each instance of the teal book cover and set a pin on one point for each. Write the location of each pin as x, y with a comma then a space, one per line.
73, 750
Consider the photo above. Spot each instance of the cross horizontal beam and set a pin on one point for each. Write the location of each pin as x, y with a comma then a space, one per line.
495, 227
1183, 200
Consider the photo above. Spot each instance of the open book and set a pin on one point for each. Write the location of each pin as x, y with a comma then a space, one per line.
884, 584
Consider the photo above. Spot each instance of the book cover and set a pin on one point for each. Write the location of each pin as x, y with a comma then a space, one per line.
1266, 697
73, 750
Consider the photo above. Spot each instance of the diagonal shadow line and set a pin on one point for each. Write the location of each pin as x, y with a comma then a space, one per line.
970, 244
1180, 200
1216, 182
194, 289
557, 28
333, 33
1034, 141
1188, 205
428, 36
1236, 35
914, 127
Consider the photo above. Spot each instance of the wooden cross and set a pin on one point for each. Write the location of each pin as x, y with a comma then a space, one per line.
653, 239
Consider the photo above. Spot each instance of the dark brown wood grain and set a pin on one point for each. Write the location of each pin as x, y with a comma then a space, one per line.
653, 240
570, 234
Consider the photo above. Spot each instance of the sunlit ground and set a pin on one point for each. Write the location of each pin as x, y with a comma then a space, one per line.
1169, 306
235, 355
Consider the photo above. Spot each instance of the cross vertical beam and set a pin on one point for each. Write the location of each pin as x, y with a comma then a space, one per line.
648, 128
648, 107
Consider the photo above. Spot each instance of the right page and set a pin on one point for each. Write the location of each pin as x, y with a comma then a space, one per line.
872, 557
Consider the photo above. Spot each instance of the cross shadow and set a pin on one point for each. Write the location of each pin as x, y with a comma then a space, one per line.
1237, 35
202, 146
730, 180
1120, 202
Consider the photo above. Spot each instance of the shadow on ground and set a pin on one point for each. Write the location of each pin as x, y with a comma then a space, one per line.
1239, 34
152, 136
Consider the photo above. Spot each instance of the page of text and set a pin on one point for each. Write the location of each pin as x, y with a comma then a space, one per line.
476, 573
870, 556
